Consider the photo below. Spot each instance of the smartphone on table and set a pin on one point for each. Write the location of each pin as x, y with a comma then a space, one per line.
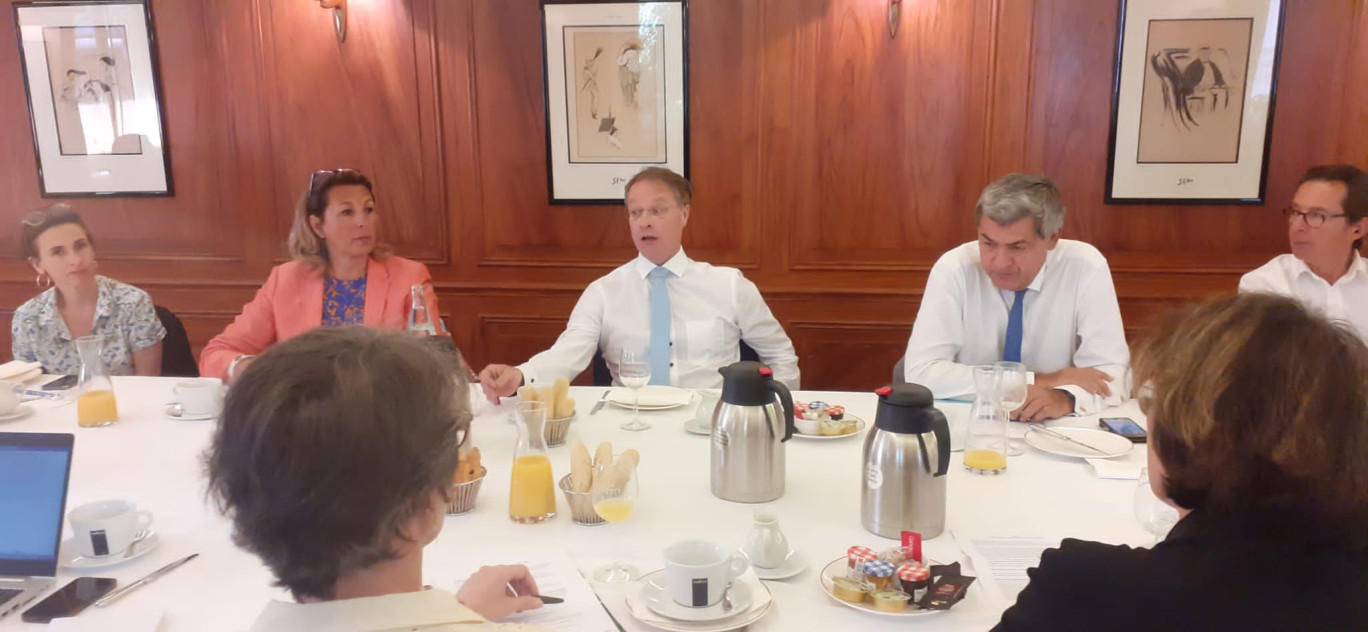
1126, 427
61, 384
70, 600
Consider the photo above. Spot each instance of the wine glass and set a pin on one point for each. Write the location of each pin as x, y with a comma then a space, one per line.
1011, 394
614, 496
1154, 515
634, 371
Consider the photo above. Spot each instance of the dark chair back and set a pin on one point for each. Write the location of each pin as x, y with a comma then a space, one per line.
177, 359
604, 377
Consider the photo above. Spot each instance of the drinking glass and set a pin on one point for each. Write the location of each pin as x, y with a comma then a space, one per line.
1011, 394
985, 445
1154, 515
614, 496
634, 371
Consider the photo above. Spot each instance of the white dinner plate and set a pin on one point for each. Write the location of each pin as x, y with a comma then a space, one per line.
1111, 445
859, 427
652, 397
70, 555
21, 412
838, 567
656, 594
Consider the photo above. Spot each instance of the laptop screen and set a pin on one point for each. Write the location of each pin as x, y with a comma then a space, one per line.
34, 469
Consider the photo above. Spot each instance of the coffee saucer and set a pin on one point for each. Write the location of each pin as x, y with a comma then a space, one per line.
70, 555
793, 564
693, 426
656, 594
22, 411
171, 413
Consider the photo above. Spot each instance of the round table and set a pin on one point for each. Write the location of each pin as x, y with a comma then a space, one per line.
157, 462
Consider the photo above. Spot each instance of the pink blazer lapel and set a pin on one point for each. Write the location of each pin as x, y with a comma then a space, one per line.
377, 293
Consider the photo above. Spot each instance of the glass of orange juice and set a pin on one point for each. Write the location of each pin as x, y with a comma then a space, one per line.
614, 496
532, 492
985, 449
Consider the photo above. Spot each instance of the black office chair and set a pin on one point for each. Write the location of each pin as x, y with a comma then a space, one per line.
177, 358
604, 377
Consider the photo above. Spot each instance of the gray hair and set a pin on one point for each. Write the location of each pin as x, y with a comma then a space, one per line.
1016, 196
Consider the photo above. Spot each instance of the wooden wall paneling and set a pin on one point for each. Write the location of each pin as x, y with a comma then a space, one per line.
369, 104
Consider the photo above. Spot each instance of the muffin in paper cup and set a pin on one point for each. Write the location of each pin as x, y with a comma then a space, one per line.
556, 431
581, 505
463, 495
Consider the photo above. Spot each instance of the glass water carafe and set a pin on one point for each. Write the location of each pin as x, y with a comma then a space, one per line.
985, 445
95, 391
420, 321
532, 493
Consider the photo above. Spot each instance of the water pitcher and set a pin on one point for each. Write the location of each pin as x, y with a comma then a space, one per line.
531, 494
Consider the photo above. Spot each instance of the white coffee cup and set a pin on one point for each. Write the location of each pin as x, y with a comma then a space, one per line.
9, 399
107, 527
201, 397
698, 572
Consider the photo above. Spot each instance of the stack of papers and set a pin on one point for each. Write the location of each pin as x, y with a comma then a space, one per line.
556, 576
1001, 562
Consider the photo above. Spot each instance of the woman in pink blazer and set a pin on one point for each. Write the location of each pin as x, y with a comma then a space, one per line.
340, 275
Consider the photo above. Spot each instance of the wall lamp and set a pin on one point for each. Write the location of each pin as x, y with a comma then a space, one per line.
339, 9
894, 13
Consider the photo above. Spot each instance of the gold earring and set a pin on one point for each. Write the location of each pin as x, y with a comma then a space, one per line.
38, 281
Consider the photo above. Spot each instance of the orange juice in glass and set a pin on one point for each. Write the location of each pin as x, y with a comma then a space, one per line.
532, 493
95, 404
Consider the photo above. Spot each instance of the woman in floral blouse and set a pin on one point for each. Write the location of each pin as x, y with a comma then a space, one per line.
78, 302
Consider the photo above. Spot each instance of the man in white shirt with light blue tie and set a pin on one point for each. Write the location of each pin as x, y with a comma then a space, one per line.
690, 316
1021, 294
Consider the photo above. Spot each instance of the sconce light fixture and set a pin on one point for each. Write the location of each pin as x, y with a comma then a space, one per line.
339, 9
894, 13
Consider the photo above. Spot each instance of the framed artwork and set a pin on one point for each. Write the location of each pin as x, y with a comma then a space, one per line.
90, 71
1192, 103
616, 95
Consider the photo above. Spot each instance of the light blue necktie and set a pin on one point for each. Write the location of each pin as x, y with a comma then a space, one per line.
1011, 350
660, 325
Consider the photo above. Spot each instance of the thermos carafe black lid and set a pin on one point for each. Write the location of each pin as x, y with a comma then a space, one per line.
743, 384
906, 409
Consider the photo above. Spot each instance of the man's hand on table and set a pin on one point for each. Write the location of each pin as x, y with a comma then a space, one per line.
1094, 381
500, 380
1044, 403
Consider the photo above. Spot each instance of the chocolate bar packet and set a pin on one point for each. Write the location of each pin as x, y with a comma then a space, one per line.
944, 569
948, 590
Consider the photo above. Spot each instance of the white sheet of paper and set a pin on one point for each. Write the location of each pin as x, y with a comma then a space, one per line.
556, 576
118, 616
1001, 562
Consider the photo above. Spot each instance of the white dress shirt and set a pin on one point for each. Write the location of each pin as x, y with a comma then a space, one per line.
712, 309
1345, 301
429, 610
1070, 319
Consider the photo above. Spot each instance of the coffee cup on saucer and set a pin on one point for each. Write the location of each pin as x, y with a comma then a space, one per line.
198, 398
107, 527
699, 571
9, 399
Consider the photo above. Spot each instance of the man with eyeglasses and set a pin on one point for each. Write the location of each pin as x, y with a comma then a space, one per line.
689, 316
1325, 225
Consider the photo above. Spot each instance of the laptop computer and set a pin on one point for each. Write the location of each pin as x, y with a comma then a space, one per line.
34, 471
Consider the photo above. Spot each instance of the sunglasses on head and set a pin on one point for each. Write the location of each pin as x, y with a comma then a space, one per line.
322, 177
36, 218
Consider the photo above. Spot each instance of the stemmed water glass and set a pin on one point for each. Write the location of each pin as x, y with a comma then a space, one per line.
1154, 515
634, 371
1011, 395
615, 500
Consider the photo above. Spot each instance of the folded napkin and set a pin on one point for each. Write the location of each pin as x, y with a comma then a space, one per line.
17, 371
654, 396
643, 613
1108, 468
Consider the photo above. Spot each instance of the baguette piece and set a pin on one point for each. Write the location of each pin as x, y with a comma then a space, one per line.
603, 456
561, 404
581, 468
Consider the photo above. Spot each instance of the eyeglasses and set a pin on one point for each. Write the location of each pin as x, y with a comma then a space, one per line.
636, 213
1313, 219
322, 177
38, 217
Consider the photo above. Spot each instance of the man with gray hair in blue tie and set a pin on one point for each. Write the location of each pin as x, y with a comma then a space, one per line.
690, 316
1021, 294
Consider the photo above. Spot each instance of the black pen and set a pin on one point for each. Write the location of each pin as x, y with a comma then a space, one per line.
544, 599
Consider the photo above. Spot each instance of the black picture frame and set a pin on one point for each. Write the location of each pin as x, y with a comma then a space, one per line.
1167, 183
53, 166
556, 105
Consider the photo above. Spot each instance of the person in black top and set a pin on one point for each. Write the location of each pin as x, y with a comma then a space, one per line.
1258, 421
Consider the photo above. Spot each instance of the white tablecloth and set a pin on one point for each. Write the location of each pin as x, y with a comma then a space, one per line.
157, 462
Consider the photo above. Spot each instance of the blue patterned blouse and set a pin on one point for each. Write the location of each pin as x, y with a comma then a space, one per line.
344, 302
124, 317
